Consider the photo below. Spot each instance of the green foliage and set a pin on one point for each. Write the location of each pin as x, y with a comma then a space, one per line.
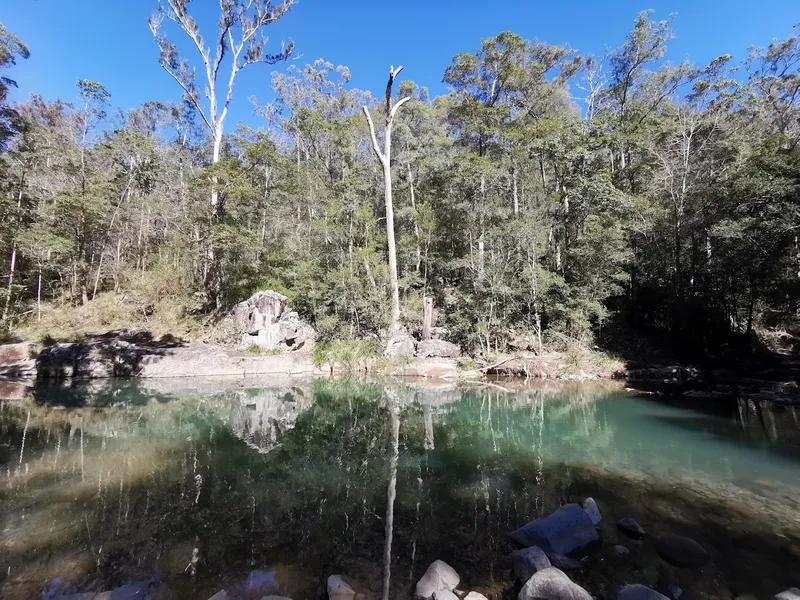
348, 355
669, 201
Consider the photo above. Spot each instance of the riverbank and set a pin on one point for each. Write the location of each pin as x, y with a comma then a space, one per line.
142, 355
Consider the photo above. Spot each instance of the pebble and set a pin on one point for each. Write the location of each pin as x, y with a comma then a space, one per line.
631, 528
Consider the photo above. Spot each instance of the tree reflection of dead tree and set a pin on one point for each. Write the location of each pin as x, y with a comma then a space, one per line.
427, 416
393, 404
24, 435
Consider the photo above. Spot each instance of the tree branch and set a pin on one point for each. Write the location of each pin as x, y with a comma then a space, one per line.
375, 146
189, 94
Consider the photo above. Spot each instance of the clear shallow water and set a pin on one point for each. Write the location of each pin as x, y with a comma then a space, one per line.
111, 482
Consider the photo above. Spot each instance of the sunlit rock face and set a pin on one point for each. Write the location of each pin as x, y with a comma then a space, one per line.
265, 322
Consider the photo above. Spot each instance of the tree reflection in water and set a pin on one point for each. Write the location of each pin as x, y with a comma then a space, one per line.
308, 481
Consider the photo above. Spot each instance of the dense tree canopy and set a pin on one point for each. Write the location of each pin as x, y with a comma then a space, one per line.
545, 193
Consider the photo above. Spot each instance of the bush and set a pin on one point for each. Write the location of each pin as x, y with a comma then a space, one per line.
351, 355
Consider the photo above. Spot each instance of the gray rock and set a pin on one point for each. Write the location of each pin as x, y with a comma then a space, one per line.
444, 595
475, 596
631, 528
340, 589
400, 344
673, 592
220, 595
439, 576
682, 551
552, 584
529, 561
621, 550
264, 321
440, 348
565, 563
639, 592
790, 594
565, 531
590, 506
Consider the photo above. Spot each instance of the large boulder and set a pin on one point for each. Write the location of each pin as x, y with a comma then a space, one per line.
567, 530
264, 321
437, 348
400, 344
439, 576
552, 584
790, 594
528, 561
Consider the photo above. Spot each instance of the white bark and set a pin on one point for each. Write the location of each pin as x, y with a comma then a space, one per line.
384, 157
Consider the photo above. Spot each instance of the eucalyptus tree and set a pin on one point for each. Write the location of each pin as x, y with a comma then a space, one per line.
239, 37
384, 156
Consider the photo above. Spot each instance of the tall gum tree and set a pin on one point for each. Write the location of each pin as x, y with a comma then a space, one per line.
241, 40
384, 157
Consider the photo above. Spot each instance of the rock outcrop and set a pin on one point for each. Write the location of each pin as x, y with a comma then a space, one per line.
437, 348
400, 344
265, 321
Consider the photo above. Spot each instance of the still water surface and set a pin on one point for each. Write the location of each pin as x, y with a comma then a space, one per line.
196, 483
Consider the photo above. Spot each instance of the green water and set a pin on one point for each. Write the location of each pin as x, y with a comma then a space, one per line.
110, 482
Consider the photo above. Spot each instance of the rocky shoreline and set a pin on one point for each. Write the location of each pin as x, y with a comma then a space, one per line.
547, 550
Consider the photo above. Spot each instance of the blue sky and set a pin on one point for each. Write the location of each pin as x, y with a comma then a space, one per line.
109, 40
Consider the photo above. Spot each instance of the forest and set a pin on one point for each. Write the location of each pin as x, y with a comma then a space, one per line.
550, 197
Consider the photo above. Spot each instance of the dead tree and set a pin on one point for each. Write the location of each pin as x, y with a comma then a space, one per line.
384, 157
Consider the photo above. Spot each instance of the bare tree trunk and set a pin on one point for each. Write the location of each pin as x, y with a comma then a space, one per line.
39, 294
416, 219
387, 193
384, 156
427, 318
515, 192
13, 261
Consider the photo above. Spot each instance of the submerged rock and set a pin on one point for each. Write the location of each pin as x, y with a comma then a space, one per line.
439, 576
529, 561
444, 595
639, 592
565, 531
790, 594
565, 563
621, 550
631, 528
674, 592
553, 584
591, 508
340, 589
475, 596
682, 551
